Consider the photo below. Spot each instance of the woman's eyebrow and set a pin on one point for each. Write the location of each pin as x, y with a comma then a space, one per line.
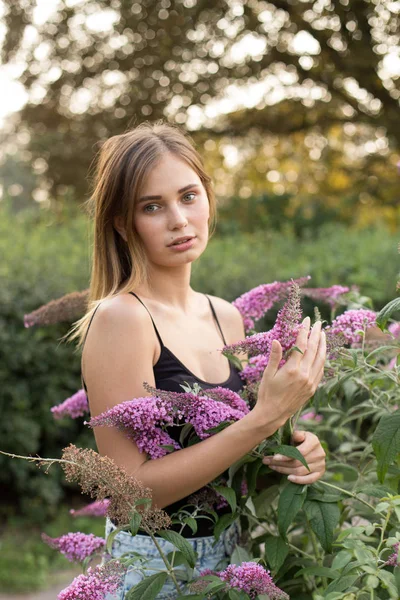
187, 187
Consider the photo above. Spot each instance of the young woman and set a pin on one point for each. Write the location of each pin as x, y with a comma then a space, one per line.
154, 212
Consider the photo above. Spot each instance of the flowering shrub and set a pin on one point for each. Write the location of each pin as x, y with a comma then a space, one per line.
337, 538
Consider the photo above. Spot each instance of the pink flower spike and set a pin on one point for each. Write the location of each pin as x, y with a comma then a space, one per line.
285, 330
311, 416
254, 304
350, 322
74, 407
329, 295
97, 582
252, 579
94, 509
394, 329
75, 546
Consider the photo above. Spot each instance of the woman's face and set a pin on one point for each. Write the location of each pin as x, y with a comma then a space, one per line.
172, 204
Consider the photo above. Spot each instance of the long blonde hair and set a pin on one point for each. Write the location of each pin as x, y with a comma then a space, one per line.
123, 162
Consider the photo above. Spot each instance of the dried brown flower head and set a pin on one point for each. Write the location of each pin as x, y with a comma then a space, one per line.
100, 477
67, 308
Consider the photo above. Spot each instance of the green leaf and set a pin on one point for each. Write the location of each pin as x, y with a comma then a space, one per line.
341, 585
185, 432
148, 588
234, 359
229, 495
220, 427
240, 555
323, 518
264, 499
377, 491
182, 544
223, 523
250, 506
143, 502
110, 538
396, 574
291, 452
386, 442
341, 559
179, 558
319, 572
276, 550
235, 595
135, 523
290, 502
238, 464
252, 471
192, 524
214, 586
168, 447
386, 312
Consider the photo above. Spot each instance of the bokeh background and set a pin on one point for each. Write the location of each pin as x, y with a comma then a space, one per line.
294, 106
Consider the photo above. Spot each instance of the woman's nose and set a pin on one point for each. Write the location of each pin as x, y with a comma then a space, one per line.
177, 218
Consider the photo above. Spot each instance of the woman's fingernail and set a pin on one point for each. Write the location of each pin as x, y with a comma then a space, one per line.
292, 478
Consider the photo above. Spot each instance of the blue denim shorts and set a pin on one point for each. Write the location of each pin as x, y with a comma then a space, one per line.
210, 556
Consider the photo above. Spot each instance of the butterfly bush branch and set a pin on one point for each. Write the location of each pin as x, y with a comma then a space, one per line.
68, 308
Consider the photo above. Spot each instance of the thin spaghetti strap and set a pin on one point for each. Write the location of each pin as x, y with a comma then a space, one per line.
83, 343
154, 325
90, 322
216, 318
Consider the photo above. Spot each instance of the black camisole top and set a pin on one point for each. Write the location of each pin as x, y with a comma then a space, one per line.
169, 374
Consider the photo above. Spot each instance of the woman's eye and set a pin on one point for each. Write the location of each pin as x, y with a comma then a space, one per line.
189, 194
149, 206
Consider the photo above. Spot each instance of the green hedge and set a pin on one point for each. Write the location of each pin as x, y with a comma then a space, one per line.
45, 257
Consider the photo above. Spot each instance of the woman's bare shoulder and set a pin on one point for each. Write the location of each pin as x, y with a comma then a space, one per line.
230, 319
117, 318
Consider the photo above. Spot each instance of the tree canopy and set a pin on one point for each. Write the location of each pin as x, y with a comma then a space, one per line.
93, 69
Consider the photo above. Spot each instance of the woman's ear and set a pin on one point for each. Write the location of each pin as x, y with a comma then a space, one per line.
118, 225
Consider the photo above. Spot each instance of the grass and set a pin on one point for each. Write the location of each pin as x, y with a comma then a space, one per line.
26, 562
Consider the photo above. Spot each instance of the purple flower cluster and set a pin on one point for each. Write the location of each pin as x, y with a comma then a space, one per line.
255, 303
96, 583
94, 509
258, 346
394, 329
253, 579
350, 322
254, 370
393, 559
143, 418
311, 416
75, 546
204, 413
75, 406
329, 295
227, 396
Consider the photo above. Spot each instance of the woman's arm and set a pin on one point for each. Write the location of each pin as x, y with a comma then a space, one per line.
117, 358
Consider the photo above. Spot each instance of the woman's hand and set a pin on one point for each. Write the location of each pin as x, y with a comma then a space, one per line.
310, 447
283, 391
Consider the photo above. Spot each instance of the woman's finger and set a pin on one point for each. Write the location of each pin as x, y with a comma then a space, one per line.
311, 442
306, 479
316, 465
308, 359
301, 343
